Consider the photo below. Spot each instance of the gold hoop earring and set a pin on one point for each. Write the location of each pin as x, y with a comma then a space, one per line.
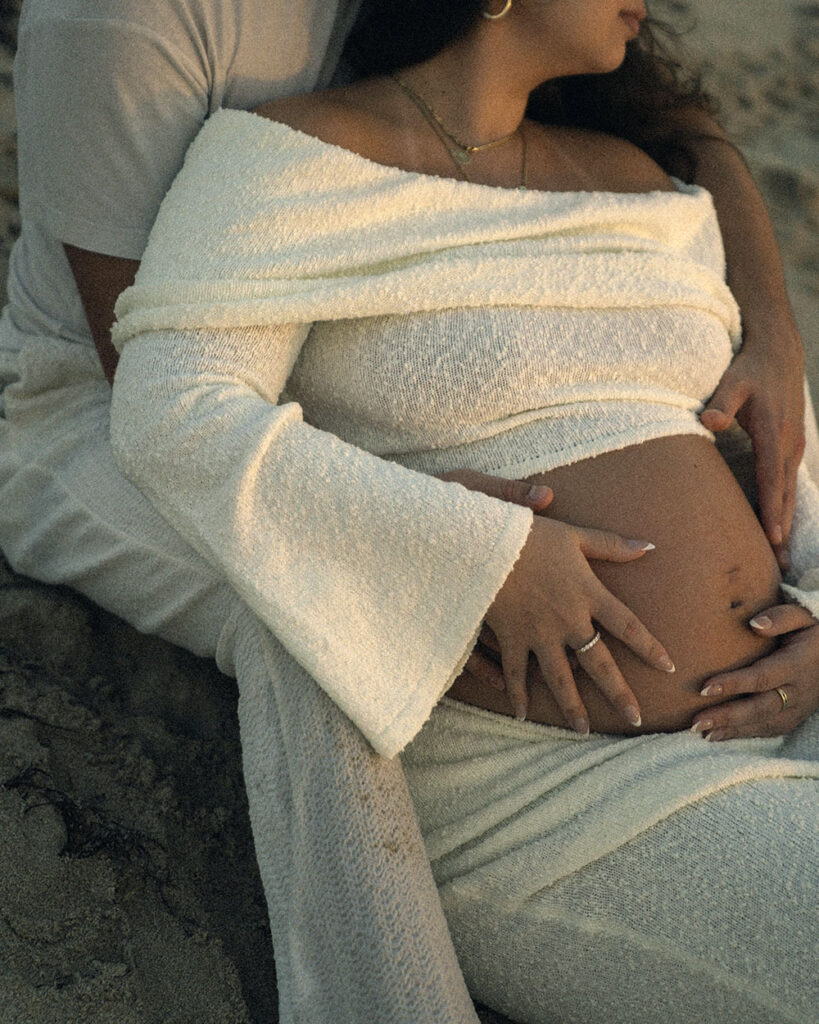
507, 7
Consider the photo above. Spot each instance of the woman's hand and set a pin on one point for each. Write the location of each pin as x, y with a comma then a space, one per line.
552, 600
793, 668
762, 389
597, 662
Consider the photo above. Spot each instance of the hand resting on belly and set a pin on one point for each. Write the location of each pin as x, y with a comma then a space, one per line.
712, 569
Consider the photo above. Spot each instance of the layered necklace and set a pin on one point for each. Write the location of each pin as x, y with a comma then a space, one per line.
461, 152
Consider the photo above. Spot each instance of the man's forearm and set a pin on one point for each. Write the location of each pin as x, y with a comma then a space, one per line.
755, 272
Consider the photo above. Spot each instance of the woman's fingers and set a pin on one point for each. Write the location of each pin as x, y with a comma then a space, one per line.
730, 395
599, 665
770, 480
621, 622
779, 691
778, 448
557, 674
776, 469
774, 670
765, 674
547, 604
788, 506
616, 617
762, 390
786, 509
515, 661
780, 619
762, 714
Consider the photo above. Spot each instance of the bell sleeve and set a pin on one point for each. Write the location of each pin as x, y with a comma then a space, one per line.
375, 578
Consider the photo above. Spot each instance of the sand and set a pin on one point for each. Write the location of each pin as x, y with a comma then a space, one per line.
128, 887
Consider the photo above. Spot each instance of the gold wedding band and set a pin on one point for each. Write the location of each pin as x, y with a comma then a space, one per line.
783, 697
591, 643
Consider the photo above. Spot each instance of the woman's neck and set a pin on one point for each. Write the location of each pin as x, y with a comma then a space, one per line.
474, 87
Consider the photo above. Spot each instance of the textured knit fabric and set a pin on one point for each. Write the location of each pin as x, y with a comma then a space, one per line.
292, 230
458, 325
267, 225
605, 880
511, 390
356, 922
68, 516
375, 578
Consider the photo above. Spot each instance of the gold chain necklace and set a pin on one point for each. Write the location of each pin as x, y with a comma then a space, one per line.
461, 152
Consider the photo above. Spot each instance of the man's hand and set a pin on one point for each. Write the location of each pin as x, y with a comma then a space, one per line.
762, 389
516, 492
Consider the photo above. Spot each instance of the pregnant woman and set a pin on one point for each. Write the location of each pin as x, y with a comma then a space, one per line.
349, 293
327, 316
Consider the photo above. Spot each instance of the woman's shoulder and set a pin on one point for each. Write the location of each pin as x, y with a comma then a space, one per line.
336, 116
563, 156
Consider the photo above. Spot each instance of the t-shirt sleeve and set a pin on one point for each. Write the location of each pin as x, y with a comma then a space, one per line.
106, 109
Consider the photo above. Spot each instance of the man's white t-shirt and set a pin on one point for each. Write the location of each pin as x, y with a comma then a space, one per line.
109, 96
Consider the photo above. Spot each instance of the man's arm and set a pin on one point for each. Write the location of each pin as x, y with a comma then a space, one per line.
763, 388
100, 279
755, 272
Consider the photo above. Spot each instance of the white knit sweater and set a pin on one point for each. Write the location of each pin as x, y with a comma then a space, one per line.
456, 325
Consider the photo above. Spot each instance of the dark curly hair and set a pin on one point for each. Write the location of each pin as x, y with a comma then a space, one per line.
640, 101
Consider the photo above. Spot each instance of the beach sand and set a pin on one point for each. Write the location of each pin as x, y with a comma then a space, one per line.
128, 887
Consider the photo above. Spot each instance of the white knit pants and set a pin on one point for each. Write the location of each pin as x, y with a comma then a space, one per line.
624, 881
655, 929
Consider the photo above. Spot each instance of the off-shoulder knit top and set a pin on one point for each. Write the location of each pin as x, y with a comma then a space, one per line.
509, 390
308, 329
616, 330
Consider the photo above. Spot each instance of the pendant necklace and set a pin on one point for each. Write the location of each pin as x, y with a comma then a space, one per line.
461, 152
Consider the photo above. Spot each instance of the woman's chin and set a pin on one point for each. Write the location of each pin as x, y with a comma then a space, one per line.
605, 65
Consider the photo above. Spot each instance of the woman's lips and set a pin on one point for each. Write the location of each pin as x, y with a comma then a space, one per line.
633, 20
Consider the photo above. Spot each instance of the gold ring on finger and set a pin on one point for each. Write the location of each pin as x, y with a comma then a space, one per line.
783, 697
588, 646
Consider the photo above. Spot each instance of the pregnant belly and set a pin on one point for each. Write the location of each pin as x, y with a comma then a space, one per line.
712, 570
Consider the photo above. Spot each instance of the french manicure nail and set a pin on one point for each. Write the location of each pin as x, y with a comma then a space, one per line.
642, 545
666, 664
581, 726
760, 622
632, 714
538, 492
712, 690
716, 735
702, 726
520, 712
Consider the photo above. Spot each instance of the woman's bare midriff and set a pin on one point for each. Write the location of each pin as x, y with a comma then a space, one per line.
712, 570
